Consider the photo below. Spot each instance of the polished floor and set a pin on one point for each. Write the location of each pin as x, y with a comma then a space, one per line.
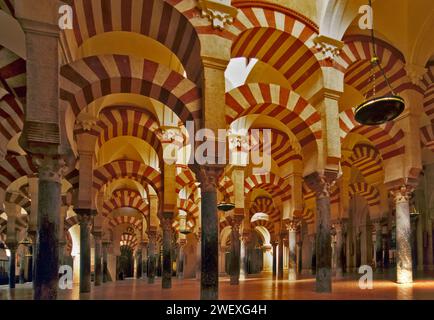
258, 288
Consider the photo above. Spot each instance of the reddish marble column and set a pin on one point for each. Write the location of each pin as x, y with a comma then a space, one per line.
152, 262
338, 225
235, 251
167, 250
404, 267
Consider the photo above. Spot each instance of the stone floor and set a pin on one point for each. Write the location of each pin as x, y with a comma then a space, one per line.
255, 288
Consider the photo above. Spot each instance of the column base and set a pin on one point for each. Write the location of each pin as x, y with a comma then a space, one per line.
323, 281
292, 275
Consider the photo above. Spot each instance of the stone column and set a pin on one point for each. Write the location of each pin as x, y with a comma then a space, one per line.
235, 251
419, 241
243, 255
22, 265
321, 185
47, 250
312, 239
292, 261
198, 255
85, 219
144, 245
152, 234
167, 250
12, 246
97, 258
274, 244
208, 176
378, 245
338, 225
181, 256
280, 258
386, 248
105, 246
139, 263
404, 267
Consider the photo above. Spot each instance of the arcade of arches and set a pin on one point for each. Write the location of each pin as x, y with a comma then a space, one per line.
87, 115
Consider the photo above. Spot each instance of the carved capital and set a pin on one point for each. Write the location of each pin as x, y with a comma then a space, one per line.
50, 168
291, 225
402, 193
320, 184
208, 175
415, 73
330, 48
218, 12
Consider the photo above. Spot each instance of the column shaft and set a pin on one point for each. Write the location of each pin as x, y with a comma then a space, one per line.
280, 259
235, 254
47, 250
104, 262
167, 251
97, 260
85, 225
151, 257
12, 270
404, 266
339, 250
292, 261
274, 259
323, 245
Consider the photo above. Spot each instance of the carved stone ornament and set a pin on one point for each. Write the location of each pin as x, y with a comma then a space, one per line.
330, 48
50, 168
219, 12
402, 193
208, 176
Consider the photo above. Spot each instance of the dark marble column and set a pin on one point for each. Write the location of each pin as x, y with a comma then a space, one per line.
181, 257
97, 258
152, 262
167, 250
85, 219
378, 246
105, 245
274, 259
46, 280
245, 238
198, 255
292, 261
235, 251
208, 176
22, 267
12, 246
139, 263
144, 259
338, 226
404, 266
321, 185
313, 253
280, 258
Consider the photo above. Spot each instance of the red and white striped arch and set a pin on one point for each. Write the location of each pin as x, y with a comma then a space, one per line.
116, 121
12, 73
370, 193
18, 199
226, 187
366, 159
265, 205
184, 177
133, 170
282, 150
119, 220
278, 37
355, 60
11, 118
387, 138
267, 224
156, 19
125, 198
428, 87
13, 168
189, 207
86, 80
279, 103
273, 184
7, 6
427, 137
129, 240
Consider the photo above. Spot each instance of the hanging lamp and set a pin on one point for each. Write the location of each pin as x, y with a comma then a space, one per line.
376, 110
226, 204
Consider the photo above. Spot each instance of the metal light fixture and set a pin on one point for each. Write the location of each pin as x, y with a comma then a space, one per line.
378, 110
